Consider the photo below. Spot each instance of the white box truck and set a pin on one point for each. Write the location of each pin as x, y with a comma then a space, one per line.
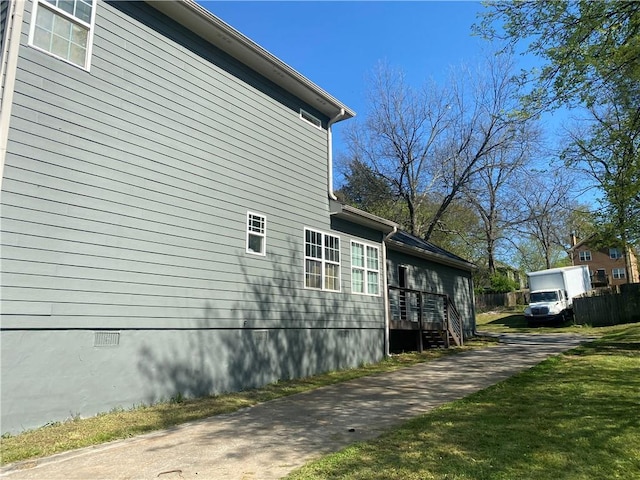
552, 292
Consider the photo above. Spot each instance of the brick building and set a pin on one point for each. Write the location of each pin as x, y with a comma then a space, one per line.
607, 266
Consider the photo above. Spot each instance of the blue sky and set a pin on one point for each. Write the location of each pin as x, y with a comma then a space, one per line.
337, 44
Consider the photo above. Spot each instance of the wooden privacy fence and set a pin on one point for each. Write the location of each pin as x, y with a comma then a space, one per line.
605, 307
487, 301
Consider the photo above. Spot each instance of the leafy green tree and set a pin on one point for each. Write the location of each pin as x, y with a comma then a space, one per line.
363, 189
609, 152
585, 45
590, 51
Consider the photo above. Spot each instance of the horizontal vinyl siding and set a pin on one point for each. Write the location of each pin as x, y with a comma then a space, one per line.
124, 202
434, 277
126, 191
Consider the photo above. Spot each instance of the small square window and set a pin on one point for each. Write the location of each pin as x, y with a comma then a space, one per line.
256, 234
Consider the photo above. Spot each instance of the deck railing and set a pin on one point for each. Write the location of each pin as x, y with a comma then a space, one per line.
425, 311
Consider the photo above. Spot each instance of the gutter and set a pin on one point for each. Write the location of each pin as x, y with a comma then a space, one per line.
9, 56
333, 120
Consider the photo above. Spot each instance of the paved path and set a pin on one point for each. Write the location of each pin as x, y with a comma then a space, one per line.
271, 439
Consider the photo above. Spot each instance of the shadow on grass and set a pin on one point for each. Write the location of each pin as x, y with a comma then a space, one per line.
511, 321
562, 419
517, 321
625, 342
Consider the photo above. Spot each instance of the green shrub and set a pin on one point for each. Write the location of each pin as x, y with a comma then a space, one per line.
502, 284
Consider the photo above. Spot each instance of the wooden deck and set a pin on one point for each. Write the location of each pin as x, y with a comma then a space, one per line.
426, 318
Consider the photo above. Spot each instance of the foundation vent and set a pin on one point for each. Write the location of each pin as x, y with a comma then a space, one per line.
106, 339
344, 333
261, 338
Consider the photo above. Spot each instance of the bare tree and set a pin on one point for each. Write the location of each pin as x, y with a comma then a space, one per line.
493, 192
429, 143
399, 139
547, 198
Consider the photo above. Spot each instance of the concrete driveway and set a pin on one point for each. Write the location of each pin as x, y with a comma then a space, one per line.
271, 439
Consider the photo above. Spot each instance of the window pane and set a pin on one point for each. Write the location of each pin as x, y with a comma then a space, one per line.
332, 248
79, 35
357, 280
60, 46
256, 223
45, 19
313, 274
332, 277
372, 258
66, 5
83, 10
62, 27
42, 39
77, 54
357, 255
313, 247
373, 284
255, 243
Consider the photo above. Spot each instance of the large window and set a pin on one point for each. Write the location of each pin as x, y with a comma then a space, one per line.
365, 269
585, 256
256, 233
615, 253
64, 28
321, 261
618, 273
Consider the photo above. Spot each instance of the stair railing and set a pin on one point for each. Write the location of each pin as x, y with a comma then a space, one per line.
454, 322
402, 307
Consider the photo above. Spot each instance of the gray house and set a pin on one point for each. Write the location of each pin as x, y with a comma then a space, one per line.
168, 222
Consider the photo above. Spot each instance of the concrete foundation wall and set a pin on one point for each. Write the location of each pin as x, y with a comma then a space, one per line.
55, 375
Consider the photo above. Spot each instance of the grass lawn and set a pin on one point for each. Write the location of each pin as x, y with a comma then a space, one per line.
512, 320
574, 416
122, 423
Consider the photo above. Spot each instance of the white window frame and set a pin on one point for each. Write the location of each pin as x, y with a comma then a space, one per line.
615, 253
323, 260
365, 269
89, 27
585, 256
618, 273
254, 231
311, 119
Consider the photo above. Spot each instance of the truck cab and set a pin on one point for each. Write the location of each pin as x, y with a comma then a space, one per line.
547, 306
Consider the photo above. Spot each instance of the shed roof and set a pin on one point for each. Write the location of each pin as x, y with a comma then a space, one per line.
412, 245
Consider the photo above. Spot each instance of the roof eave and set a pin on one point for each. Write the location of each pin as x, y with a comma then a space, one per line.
360, 217
203, 23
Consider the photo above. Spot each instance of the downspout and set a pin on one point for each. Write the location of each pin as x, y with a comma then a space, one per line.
330, 153
385, 289
9, 59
